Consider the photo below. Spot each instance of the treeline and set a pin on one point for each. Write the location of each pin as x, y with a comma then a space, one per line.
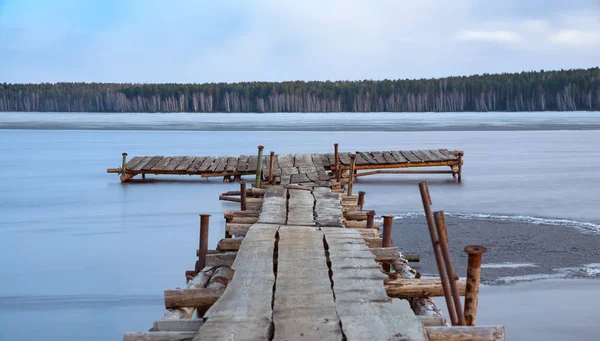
526, 91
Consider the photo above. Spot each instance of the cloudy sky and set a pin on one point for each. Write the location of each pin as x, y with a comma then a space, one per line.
210, 41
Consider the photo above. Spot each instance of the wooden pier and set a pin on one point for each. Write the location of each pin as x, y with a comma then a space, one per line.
307, 169
306, 263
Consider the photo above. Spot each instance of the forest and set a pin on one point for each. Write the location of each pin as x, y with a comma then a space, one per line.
563, 90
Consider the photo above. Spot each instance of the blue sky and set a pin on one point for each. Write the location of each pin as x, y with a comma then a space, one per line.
211, 41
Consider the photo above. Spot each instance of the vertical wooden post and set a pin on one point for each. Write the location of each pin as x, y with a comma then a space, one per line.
203, 244
123, 164
361, 199
227, 221
460, 162
387, 236
351, 178
370, 219
259, 167
473, 276
243, 195
337, 163
271, 165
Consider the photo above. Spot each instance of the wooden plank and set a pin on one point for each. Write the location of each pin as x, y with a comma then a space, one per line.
303, 304
236, 329
447, 154
300, 208
229, 244
173, 163
141, 164
368, 157
299, 178
408, 288
422, 155
398, 157
134, 161
435, 154
378, 156
158, 336
410, 156
220, 259
152, 163
344, 159
252, 163
360, 160
185, 163
325, 160
181, 325
202, 298
219, 165
460, 333
316, 159
331, 158
198, 160
161, 164
274, 209
388, 157
242, 163
208, 162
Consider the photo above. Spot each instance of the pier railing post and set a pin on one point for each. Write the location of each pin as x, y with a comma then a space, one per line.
351, 177
460, 162
361, 199
338, 176
259, 167
473, 277
243, 195
203, 244
370, 219
123, 171
440, 224
387, 236
435, 243
271, 165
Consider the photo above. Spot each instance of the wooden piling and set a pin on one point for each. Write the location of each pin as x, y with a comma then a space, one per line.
338, 174
259, 167
243, 196
473, 277
361, 199
203, 243
123, 171
351, 178
271, 165
460, 155
387, 236
370, 219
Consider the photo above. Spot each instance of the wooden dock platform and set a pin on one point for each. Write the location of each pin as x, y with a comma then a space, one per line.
308, 169
291, 268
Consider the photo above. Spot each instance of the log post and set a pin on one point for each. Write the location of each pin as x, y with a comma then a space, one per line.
243, 195
460, 162
435, 243
370, 219
351, 178
440, 223
123, 164
473, 276
387, 236
259, 167
228, 220
271, 165
203, 245
361, 199
337, 163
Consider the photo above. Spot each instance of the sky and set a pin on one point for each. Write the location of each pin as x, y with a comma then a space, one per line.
197, 41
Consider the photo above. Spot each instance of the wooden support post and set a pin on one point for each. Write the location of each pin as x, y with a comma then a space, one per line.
259, 167
387, 237
243, 195
473, 276
203, 245
370, 219
361, 199
460, 161
123, 164
440, 223
228, 219
351, 178
338, 174
271, 165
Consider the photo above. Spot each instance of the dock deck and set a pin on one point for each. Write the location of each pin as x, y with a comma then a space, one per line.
308, 169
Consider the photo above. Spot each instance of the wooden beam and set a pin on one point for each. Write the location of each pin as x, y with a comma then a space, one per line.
360, 224
403, 165
202, 298
181, 325
481, 333
229, 244
384, 254
409, 288
159, 336
432, 321
243, 220
383, 171
231, 214
373, 242
220, 259
237, 229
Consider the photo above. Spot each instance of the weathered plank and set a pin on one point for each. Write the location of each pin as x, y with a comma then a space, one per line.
360, 160
229, 244
398, 157
159, 336
242, 163
231, 164
161, 164
325, 160
410, 156
141, 164
274, 209
180, 325
300, 208
448, 154
206, 164
299, 178
252, 163
185, 163
134, 161
368, 157
219, 165
199, 297
422, 155
388, 157
173, 163
220, 259
378, 156
198, 160
344, 159
152, 163
460, 333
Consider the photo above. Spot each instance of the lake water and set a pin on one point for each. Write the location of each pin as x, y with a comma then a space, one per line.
86, 257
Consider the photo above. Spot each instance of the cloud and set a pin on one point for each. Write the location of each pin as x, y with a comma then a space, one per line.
503, 37
576, 38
